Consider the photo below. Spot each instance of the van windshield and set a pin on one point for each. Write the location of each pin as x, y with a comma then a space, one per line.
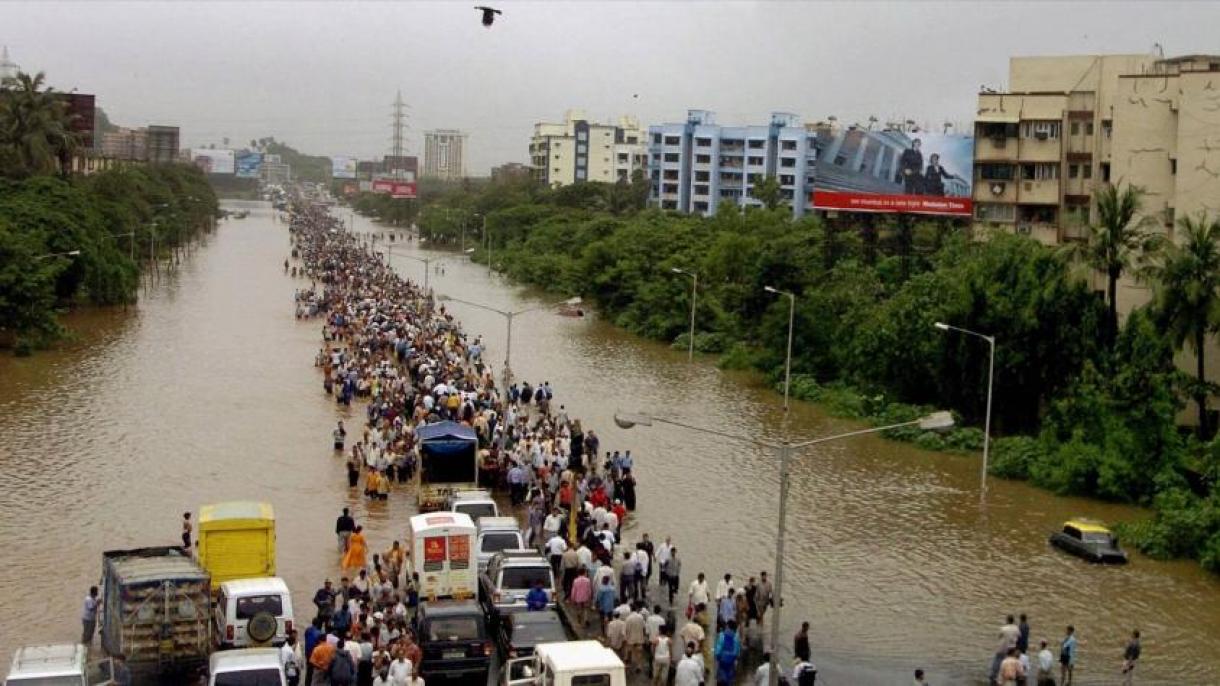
252, 605
494, 543
476, 510
525, 577
249, 677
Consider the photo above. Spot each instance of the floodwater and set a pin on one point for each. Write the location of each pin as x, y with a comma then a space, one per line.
206, 392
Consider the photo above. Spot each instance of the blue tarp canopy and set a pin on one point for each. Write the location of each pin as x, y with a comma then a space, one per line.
446, 431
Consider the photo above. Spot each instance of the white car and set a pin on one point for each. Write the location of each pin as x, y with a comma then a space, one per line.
253, 612
246, 667
477, 503
496, 534
57, 665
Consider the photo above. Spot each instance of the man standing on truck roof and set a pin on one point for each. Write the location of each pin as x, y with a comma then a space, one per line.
88, 616
344, 526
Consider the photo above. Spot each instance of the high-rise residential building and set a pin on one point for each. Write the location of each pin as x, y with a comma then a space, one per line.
8, 68
698, 164
445, 154
1068, 125
154, 144
511, 171
583, 150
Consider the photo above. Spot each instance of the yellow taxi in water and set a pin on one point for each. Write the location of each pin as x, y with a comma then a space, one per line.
1090, 540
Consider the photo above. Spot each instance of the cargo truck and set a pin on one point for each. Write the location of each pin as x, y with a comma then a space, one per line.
448, 463
237, 540
156, 610
440, 548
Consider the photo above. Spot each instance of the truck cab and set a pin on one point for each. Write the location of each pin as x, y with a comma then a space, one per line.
571, 663
57, 665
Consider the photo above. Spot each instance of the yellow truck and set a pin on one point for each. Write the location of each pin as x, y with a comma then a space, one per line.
237, 540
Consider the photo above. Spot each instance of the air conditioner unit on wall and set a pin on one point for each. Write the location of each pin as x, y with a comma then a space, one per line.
1041, 135
1023, 229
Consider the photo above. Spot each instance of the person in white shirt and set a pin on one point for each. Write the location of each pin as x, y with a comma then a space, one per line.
690, 670
553, 523
400, 671
723, 586
555, 548
1046, 664
290, 658
698, 594
762, 675
803, 667
662, 559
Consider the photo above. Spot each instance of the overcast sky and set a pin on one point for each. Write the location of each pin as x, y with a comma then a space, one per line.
322, 76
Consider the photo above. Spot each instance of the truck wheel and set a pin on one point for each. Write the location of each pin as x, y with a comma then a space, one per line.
262, 627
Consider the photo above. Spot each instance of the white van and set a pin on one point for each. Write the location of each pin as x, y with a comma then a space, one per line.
496, 534
573, 663
440, 548
253, 612
476, 503
57, 665
246, 667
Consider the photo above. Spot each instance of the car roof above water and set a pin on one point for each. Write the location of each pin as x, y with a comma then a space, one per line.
63, 659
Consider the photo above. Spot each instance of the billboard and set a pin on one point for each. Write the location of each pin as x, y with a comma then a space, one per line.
249, 165
395, 187
343, 167
213, 161
921, 172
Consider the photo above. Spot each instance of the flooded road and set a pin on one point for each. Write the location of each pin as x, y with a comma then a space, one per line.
206, 392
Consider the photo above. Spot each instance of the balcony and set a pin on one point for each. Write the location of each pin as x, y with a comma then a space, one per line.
995, 149
1038, 192
1039, 150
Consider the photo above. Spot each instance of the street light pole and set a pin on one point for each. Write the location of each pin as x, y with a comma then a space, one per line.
990, 386
694, 292
426, 260
788, 358
937, 421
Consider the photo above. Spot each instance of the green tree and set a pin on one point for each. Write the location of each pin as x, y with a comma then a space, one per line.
1117, 241
35, 129
768, 192
1187, 282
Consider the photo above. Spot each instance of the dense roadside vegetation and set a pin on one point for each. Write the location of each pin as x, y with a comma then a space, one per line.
1082, 407
116, 219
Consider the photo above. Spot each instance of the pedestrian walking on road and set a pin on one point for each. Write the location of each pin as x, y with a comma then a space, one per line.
673, 573
1023, 634
1067, 656
800, 643
580, 595
728, 649
186, 532
339, 436
88, 616
690, 670
1131, 655
344, 526
662, 656
1046, 666
766, 596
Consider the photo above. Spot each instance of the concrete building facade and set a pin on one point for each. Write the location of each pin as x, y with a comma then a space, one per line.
698, 164
445, 154
1068, 125
583, 150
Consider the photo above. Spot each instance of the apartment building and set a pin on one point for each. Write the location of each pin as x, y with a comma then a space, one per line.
583, 150
698, 164
445, 154
1067, 125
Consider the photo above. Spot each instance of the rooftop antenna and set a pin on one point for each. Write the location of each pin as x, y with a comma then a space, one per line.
1159, 50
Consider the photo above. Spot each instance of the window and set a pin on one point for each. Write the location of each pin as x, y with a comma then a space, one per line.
1173, 166
247, 677
582, 135
1073, 171
581, 149
1075, 128
700, 189
1088, 129
580, 174
632, 140
1042, 129
591, 680
700, 206
787, 162
703, 159
703, 142
1105, 172
994, 212
495, 542
656, 139
671, 157
1086, 170
526, 577
672, 140
996, 172
623, 157
787, 179
757, 144
754, 160
453, 629
1107, 127
248, 607
788, 145
702, 176
1043, 171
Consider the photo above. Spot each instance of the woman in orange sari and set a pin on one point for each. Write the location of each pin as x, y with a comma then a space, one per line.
355, 558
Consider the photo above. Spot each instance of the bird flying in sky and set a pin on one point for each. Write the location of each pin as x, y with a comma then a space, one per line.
489, 14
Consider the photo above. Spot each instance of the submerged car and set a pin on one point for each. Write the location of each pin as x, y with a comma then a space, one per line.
1089, 540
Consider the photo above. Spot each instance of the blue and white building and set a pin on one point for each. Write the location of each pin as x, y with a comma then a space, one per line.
698, 164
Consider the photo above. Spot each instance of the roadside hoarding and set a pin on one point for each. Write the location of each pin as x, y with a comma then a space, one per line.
248, 164
920, 172
396, 188
213, 161
343, 167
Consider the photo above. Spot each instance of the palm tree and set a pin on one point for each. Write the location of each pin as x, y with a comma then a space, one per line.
35, 128
1117, 241
1187, 282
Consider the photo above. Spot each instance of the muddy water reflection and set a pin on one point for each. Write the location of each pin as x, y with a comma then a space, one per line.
205, 392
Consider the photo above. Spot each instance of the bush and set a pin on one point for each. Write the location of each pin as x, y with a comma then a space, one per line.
1012, 457
739, 356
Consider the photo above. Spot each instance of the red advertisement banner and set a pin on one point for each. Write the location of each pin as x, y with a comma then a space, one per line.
434, 549
459, 549
396, 189
872, 202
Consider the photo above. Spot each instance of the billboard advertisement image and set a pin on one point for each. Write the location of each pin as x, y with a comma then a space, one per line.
343, 167
922, 172
213, 161
249, 165
395, 187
